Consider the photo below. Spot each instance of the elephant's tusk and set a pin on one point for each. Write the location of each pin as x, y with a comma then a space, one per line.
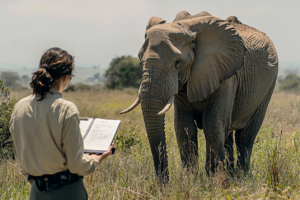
135, 104
168, 106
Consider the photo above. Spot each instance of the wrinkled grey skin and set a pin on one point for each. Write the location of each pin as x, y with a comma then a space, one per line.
222, 74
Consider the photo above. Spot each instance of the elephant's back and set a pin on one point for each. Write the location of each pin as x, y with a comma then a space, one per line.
257, 44
258, 75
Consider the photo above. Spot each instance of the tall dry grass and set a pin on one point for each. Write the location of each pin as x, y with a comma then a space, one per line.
129, 174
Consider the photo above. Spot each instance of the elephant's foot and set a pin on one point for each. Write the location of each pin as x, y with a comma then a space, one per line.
163, 178
229, 152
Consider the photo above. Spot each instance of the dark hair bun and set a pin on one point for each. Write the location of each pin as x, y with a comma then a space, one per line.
53, 65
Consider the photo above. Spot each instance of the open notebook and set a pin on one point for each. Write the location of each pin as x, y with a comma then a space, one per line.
98, 134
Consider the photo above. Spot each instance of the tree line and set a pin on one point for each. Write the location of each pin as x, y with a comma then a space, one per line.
123, 72
126, 71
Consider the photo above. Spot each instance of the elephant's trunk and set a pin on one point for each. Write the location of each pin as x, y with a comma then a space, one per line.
155, 127
153, 100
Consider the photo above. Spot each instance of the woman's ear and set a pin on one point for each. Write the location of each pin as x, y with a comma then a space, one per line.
154, 21
64, 78
219, 53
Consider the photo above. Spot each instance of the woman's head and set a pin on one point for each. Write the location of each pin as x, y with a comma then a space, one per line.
56, 65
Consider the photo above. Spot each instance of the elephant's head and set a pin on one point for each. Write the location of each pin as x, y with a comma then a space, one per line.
200, 51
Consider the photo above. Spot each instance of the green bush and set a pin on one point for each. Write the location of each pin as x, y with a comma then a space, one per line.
124, 71
290, 83
125, 139
6, 107
11, 79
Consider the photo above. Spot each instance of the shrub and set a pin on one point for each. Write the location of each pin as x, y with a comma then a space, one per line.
124, 71
6, 108
290, 83
11, 79
125, 139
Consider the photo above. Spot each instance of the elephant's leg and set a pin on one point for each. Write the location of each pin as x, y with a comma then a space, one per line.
216, 118
229, 151
186, 134
245, 138
215, 141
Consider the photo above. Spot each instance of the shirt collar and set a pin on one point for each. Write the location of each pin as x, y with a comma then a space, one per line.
55, 91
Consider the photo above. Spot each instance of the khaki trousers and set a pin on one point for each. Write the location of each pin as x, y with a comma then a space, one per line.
67, 192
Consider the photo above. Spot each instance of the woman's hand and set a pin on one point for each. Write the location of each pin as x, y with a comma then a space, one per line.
104, 155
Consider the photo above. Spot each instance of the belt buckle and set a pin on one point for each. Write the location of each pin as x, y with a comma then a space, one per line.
64, 178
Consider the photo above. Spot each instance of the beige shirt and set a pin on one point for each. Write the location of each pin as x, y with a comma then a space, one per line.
47, 137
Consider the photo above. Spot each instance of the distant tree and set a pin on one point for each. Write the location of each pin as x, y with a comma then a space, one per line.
124, 71
97, 75
6, 107
90, 80
290, 83
25, 80
11, 79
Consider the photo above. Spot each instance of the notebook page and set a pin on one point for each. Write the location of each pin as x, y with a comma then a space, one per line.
101, 135
85, 125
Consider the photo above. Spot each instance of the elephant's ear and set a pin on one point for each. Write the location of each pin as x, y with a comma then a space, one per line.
219, 53
185, 15
154, 21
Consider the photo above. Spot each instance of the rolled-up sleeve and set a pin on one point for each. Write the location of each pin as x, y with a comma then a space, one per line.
76, 161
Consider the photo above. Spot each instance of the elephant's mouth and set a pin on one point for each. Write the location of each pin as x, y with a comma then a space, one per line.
137, 102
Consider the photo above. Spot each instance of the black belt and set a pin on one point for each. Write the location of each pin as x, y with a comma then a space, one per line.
49, 182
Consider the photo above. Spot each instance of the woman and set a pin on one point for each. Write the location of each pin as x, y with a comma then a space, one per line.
45, 130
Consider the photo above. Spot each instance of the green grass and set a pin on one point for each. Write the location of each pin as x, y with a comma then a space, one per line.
129, 174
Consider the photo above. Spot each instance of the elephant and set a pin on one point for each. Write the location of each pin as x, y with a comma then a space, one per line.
220, 76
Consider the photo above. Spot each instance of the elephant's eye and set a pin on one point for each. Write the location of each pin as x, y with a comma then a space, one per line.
177, 64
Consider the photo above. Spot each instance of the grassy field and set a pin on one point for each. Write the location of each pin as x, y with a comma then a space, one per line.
129, 174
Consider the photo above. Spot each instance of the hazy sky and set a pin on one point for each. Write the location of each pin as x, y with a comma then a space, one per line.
95, 31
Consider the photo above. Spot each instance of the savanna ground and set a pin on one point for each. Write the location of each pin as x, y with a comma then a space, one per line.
129, 174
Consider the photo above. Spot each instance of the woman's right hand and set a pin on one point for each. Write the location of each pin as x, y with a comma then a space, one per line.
104, 155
